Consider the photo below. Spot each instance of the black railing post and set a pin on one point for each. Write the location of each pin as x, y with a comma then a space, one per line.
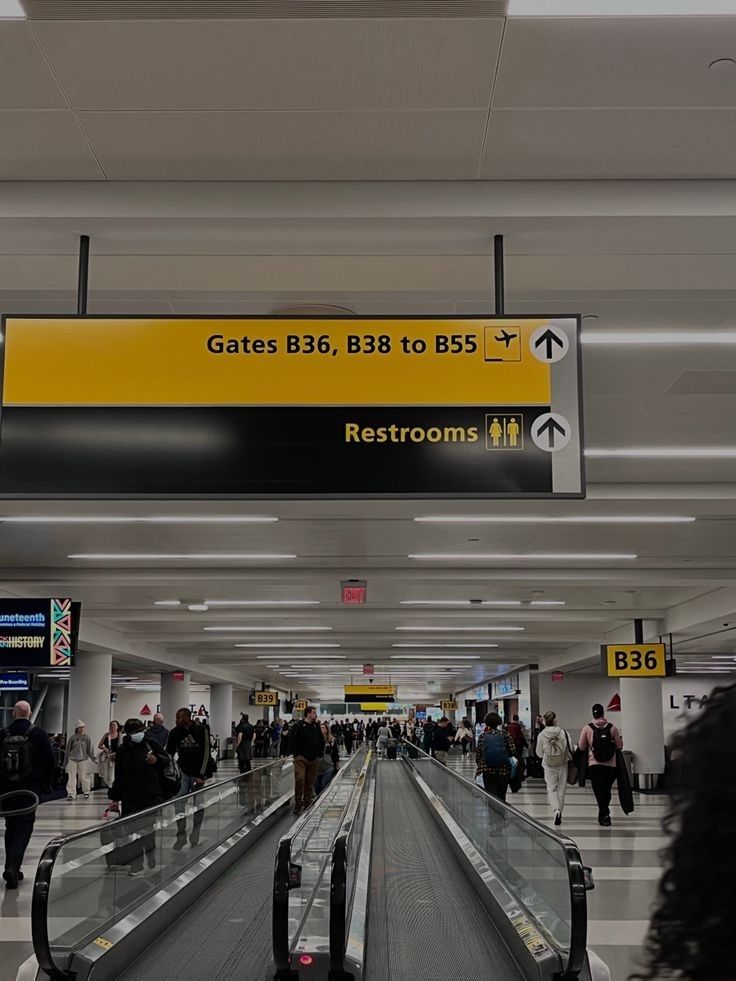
498, 275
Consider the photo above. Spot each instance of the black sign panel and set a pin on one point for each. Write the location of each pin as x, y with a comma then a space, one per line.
38, 633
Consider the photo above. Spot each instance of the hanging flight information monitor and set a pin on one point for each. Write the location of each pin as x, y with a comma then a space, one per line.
291, 407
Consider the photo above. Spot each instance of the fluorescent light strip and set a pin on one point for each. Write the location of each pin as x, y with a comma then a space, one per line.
620, 8
471, 630
179, 556
524, 556
587, 519
168, 603
269, 657
547, 603
261, 602
456, 659
260, 630
163, 519
664, 452
459, 603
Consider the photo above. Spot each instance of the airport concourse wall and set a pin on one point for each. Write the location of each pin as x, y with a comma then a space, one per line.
682, 697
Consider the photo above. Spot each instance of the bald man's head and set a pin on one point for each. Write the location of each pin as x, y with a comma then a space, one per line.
22, 710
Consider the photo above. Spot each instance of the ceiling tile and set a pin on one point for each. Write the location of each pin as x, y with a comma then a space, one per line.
616, 61
26, 82
286, 145
44, 145
274, 64
610, 143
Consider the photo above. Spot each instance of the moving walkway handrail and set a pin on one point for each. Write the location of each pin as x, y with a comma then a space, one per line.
282, 878
577, 954
42, 885
340, 900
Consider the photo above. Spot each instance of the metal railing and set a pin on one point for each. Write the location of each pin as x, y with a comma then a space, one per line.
84, 884
543, 870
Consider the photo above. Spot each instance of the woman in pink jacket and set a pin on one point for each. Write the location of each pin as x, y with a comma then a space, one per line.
600, 739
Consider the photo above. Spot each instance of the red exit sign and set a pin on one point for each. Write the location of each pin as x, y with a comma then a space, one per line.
354, 592
177, 676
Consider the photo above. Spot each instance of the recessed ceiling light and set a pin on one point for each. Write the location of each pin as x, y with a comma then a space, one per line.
288, 647
664, 338
620, 8
167, 603
523, 556
581, 519
198, 608
547, 603
466, 602
665, 452
264, 602
119, 519
180, 556
455, 658
461, 647
259, 630
471, 629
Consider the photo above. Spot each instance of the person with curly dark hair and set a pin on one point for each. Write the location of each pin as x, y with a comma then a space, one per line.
690, 930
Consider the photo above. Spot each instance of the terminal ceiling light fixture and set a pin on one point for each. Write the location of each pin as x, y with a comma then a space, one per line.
547, 603
269, 657
450, 630
664, 452
620, 8
171, 603
457, 659
581, 519
460, 647
197, 607
657, 338
300, 602
179, 556
259, 630
523, 556
465, 602
160, 519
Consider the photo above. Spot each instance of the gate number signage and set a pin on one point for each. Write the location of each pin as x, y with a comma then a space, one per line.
634, 660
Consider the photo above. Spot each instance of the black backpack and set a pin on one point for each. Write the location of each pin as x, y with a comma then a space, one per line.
16, 757
170, 772
604, 747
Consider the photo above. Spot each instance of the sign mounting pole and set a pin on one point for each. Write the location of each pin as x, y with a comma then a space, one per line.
498, 275
83, 279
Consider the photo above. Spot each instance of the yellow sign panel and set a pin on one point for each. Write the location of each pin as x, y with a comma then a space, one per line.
274, 362
377, 690
449, 706
373, 707
266, 698
102, 942
635, 660
300, 705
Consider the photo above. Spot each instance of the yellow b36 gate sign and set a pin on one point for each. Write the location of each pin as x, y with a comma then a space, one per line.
634, 660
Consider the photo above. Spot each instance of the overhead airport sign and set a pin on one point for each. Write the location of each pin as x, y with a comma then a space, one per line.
291, 407
266, 698
634, 660
370, 693
38, 633
448, 705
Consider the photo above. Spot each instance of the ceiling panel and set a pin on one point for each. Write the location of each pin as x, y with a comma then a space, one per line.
26, 81
616, 62
281, 64
610, 143
44, 145
286, 145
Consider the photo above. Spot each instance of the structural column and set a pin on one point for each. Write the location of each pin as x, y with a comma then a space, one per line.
53, 709
642, 722
90, 682
221, 712
174, 695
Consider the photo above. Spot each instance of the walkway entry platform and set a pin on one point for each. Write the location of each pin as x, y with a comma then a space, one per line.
355, 889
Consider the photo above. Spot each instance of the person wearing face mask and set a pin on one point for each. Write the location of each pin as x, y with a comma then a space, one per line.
139, 765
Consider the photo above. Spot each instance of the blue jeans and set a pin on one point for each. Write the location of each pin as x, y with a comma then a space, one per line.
322, 780
187, 786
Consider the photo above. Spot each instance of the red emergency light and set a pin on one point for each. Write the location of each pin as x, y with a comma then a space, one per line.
354, 592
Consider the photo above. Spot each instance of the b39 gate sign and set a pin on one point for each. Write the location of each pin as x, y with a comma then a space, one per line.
307, 407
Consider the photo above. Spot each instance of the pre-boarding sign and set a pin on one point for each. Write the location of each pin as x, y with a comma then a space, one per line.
634, 660
290, 407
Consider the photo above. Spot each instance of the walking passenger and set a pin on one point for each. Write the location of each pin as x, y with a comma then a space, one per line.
79, 754
108, 746
441, 740
427, 731
244, 744
493, 757
307, 745
464, 736
555, 751
328, 762
600, 740
158, 731
189, 742
26, 763
382, 738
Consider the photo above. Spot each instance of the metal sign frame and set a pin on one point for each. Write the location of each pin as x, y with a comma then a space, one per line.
216, 318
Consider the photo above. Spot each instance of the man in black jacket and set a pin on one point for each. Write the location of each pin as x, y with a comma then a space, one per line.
189, 742
441, 740
307, 744
26, 763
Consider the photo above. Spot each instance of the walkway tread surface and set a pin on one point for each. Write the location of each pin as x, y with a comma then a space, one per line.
424, 919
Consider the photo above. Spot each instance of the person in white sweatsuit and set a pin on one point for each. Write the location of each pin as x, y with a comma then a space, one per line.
554, 748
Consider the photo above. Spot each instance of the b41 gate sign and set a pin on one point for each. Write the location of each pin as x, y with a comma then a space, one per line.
291, 407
